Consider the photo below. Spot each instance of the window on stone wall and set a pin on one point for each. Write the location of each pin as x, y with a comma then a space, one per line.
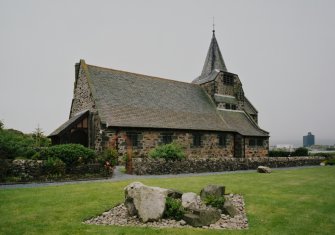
227, 106
197, 139
228, 79
133, 138
222, 140
233, 107
253, 142
260, 142
166, 138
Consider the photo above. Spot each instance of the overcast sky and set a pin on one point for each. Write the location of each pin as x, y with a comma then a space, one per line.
283, 52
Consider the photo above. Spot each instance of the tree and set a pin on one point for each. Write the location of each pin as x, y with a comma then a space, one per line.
38, 136
2, 125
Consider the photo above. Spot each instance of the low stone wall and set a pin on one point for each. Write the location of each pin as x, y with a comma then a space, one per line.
30, 170
149, 166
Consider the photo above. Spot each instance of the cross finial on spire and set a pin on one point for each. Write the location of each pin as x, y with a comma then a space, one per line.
213, 25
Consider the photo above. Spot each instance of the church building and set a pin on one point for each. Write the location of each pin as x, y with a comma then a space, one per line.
209, 117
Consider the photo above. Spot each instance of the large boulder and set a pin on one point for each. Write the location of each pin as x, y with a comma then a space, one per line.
147, 202
202, 217
212, 190
263, 169
191, 201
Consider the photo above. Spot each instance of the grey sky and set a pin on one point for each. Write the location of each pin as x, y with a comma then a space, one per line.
283, 52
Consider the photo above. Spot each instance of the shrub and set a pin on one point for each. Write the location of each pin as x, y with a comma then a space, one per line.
108, 155
279, 153
300, 152
70, 154
14, 143
174, 209
171, 151
215, 201
54, 166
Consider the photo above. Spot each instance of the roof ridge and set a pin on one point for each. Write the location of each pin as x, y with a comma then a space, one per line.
147, 76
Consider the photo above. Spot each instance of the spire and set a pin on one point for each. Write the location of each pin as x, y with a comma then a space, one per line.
214, 58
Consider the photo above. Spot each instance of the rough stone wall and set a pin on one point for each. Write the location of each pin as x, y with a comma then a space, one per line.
28, 170
217, 86
223, 89
210, 88
149, 166
82, 100
256, 151
149, 139
82, 97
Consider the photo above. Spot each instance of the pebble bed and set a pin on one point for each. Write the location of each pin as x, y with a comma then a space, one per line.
119, 216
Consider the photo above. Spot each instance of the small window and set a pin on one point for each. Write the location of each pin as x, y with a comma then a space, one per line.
197, 140
260, 142
222, 140
228, 79
252, 142
233, 107
133, 137
227, 106
166, 138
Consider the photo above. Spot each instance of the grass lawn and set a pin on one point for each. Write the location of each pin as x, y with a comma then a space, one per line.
300, 201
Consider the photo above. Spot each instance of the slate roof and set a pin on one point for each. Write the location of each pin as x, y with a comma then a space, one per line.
134, 100
214, 61
241, 123
125, 99
248, 107
68, 123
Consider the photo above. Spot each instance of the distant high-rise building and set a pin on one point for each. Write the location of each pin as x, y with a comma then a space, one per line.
308, 140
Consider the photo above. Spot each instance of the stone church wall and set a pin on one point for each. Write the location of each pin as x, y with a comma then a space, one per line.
82, 97
256, 151
149, 139
82, 100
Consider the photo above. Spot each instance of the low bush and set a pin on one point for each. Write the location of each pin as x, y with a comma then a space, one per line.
54, 166
171, 151
214, 201
299, 152
14, 143
108, 155
70, 154
174, 209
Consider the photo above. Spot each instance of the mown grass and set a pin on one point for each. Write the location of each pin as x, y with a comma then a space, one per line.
300, 201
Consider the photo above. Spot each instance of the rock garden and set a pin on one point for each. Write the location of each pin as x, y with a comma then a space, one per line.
146, 206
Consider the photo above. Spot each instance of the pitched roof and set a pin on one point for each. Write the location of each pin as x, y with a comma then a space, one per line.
68, 123
214, 60
125, 99
135, 100
241, 123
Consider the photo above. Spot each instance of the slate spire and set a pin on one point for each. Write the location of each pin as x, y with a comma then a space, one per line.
214, 58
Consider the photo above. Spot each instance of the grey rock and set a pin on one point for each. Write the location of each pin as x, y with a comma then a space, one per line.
191, 201
149, 202
202, 217
263, 169
229, 208
176, 194
212, 190
129, 204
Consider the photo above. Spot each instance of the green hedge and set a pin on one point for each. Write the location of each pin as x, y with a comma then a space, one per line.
171, 151
299, 152
70, 154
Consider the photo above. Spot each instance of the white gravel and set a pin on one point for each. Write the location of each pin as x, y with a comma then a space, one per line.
119, 216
